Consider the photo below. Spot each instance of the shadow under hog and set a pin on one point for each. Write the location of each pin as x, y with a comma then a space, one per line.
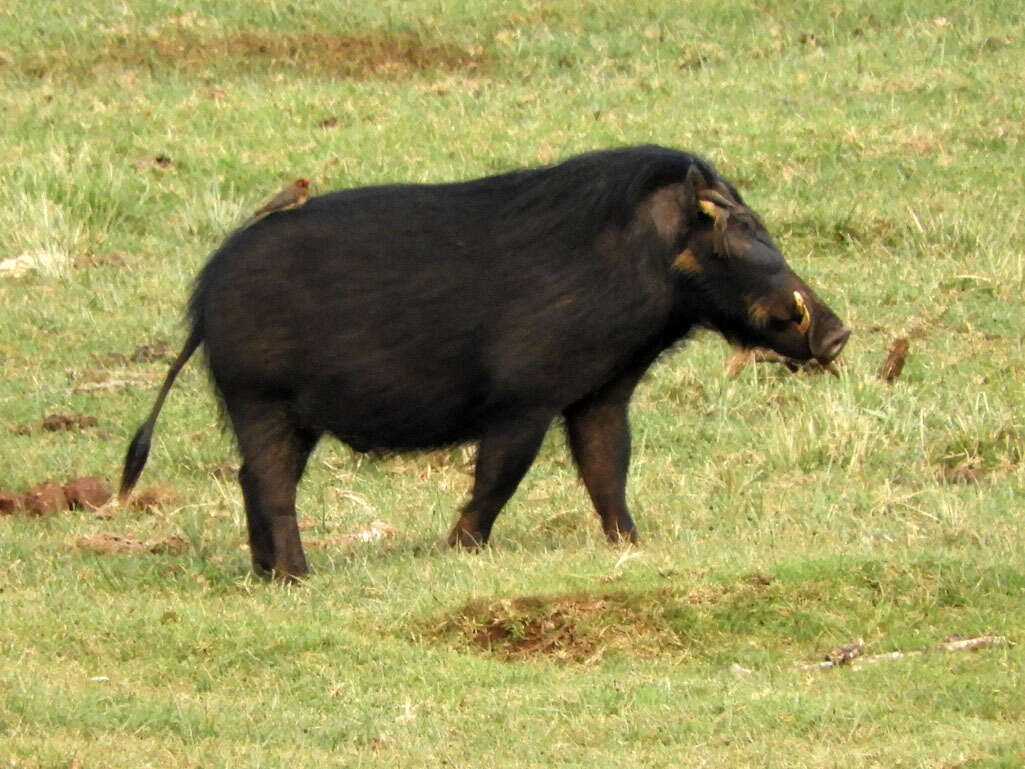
408, 317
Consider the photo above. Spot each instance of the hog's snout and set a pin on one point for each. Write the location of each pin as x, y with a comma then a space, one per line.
827, 345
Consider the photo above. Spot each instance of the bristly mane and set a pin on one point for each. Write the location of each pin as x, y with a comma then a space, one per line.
575, 200
582, 196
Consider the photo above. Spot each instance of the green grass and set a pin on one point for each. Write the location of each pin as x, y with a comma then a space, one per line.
781, 515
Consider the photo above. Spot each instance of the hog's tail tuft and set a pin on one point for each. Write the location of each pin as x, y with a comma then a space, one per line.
138, 450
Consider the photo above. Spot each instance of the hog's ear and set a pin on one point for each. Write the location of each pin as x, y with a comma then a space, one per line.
692, 185
699, 196
718, 208
715, 204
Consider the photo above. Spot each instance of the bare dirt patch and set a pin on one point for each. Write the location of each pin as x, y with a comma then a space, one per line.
579, 628
185, 48
106, 543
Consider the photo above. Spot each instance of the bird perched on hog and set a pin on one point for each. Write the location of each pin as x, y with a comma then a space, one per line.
295, 194
414, 316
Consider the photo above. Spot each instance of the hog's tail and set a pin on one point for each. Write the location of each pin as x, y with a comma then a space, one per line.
138, 450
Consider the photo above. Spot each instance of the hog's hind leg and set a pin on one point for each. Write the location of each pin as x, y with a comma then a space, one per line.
274, 453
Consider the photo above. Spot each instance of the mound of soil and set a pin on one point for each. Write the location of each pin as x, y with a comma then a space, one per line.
88, 492
9, 502
63, 422
154, 497
45, 499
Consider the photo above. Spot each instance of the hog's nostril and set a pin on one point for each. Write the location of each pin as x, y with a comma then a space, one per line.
834, 343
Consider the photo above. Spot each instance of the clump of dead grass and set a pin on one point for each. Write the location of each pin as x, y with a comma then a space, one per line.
106, 543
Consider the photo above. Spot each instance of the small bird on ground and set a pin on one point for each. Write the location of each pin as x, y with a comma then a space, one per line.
842, 655
295, 194
894, 362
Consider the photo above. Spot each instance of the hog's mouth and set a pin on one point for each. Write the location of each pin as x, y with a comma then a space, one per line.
741, 356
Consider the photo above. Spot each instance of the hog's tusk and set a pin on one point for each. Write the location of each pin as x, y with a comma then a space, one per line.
805, 322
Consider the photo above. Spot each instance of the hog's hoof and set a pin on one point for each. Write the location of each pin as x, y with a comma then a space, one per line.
619, 536
283, 575
288, 578
466, 539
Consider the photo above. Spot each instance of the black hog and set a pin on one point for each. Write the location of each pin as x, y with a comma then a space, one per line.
417, 316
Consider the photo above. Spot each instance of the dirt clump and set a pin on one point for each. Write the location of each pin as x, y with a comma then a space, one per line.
45, 499
154, 497
66, 422
88, 492
157, 351
9, 502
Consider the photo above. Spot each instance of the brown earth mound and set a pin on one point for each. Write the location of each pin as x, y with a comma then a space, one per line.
87, 493
45, 499
61, 422
9, 502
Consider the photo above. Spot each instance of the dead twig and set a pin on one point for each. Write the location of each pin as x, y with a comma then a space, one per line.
374, 531
844, 655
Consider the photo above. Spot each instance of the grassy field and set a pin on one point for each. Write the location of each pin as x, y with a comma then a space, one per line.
781, 515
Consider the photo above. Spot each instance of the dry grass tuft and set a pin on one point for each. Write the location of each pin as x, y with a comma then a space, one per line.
106, 543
